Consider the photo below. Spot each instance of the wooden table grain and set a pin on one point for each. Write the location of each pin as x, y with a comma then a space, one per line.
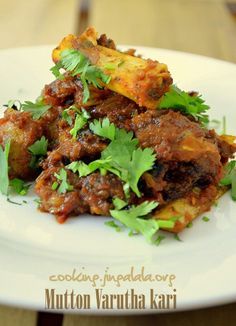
197, 26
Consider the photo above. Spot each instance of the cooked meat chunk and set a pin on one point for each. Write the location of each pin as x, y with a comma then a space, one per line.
97, 191
23, 131
63, 91
119, 110
106, 42
49, 122
186, 156
69, 90
85, 144
92, 194
62, 205
175, 138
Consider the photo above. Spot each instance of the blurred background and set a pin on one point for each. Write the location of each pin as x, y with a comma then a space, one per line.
206, 27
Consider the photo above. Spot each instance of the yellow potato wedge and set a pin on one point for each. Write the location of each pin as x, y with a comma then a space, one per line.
190, 207
143, 81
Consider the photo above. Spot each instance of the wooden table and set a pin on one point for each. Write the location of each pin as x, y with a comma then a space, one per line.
198, 26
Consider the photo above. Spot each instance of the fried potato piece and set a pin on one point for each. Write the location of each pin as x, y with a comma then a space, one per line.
229, 139
143, 81
190, 207
23, 131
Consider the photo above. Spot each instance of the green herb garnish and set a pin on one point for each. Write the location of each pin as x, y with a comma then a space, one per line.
38, 149
81, 118
205, 219
19, 186
65, 116
103, 128
119, 203
224, 125
84, 169
4, 178
189, 225
137, 219
76, 63
130, 162
14, 104
176, 237
230, 177
37, 109
62, 180
159, 239
182, 101
55, 185
113, 225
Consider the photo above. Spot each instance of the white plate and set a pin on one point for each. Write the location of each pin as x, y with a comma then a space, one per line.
34, 246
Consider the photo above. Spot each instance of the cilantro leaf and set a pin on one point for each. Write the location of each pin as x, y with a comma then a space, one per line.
4, 179
230, 178
55, 185
39, 147
191, 105
85, 169
176, 237
19, 186
119, 203
136, 219
79, 167
56, 70
133, 162
65, 116
14, 104
73, 61
127, 138
113, 225
224, 125
80, 122
205, 219
64, 185
189, 225
103, 128
37, 109
81, 118
142, 161
86, 92
159, 239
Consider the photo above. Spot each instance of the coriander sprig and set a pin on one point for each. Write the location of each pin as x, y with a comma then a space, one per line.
81, 118
37, 109
74, 62
137, 220
38, 149
230, 178
4, 179
19, 186
182, 101
62, 183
